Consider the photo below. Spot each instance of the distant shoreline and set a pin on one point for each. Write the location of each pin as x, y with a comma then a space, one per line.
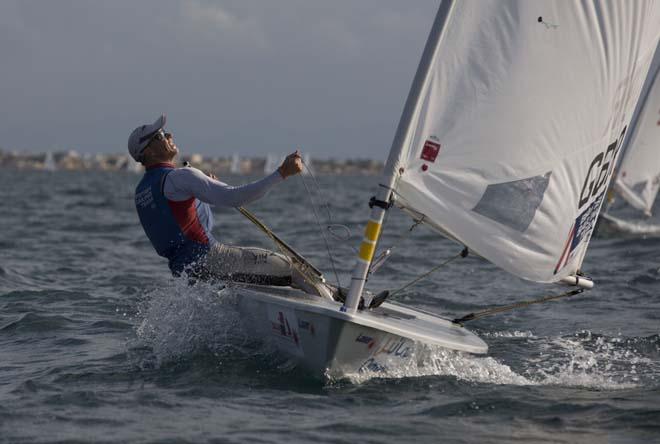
73, 161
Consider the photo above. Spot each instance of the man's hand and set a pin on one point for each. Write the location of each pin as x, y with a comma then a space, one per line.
291, 165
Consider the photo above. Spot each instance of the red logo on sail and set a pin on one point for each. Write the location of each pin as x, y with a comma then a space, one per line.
430, 150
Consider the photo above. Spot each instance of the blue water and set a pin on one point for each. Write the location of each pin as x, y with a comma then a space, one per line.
99, 344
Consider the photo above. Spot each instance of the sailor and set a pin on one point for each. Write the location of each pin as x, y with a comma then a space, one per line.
173, 205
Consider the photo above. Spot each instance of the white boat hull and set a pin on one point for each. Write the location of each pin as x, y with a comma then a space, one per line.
328, 342
610, 225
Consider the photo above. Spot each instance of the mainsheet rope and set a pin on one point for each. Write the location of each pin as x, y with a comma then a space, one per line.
330, 225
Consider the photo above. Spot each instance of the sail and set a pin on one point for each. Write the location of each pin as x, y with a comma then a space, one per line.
638, 178
518, 121
271, 163
235, 166
49, 162
307, 164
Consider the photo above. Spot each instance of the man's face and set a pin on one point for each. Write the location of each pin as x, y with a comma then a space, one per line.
163, 146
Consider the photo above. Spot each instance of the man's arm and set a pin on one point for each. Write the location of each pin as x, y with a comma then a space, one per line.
184, 183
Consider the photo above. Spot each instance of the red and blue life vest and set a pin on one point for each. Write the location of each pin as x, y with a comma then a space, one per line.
179, 230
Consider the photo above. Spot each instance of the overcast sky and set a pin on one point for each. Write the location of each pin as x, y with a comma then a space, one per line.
247, 76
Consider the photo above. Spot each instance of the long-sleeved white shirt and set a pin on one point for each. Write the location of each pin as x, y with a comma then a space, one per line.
184, 183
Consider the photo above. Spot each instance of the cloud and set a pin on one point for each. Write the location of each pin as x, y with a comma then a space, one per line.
214, 21
250, 75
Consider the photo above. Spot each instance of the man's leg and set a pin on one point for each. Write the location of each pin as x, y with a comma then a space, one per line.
258, 266
248, 264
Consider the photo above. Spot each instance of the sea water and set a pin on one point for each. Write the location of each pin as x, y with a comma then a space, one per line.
98, 343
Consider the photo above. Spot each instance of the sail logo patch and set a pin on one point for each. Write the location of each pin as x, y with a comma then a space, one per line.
430, 150
580, 232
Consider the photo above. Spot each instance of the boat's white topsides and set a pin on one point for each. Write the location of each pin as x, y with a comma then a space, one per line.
615, 224
406, 322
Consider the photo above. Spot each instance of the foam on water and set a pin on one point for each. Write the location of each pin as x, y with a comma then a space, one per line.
593, 361
581, 360
509, 334
181, 320
437, 361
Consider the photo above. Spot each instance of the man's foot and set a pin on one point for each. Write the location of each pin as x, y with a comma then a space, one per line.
370, 301
378, 300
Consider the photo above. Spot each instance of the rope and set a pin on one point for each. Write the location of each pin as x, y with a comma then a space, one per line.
491, 311
318, 220
283, 246
420, 277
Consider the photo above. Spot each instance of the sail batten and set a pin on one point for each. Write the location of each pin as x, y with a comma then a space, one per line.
516, 126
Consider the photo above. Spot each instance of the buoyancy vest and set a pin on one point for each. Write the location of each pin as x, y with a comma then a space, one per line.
178, 230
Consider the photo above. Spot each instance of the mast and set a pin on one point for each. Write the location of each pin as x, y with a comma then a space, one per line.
380, 204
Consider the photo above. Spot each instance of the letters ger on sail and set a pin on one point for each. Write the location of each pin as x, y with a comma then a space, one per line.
519, 123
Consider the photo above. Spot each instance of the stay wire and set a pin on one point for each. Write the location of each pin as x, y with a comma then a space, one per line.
463, 253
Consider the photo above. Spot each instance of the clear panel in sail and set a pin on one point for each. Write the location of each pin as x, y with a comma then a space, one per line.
638, 180
513, 140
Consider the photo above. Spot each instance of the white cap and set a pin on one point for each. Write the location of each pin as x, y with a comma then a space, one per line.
142, 135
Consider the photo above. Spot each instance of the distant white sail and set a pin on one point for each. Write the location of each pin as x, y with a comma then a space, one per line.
49, 162
132, 166
271, 163
307, 164
520, 119
235, 166
638, 178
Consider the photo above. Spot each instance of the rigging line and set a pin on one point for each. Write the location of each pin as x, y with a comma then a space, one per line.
318, 222
495, 310
331, 226
463, 253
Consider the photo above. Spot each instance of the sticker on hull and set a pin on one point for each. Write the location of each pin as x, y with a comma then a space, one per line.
284, 329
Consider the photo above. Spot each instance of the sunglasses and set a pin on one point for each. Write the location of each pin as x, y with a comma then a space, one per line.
158, 135
161, 135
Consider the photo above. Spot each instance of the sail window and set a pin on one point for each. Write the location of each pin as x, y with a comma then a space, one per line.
639, 187
513, 204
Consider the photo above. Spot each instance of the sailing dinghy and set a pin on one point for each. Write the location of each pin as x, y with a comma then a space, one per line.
506, 145
637, 179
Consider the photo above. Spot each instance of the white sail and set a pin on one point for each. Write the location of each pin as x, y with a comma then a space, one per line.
133, 166
517, 124
638, 178
49, 162
271, 163
235, 166
307, 164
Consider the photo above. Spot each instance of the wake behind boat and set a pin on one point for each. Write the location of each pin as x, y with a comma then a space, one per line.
499, 149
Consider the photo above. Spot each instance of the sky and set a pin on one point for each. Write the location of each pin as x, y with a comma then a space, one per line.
245, 76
